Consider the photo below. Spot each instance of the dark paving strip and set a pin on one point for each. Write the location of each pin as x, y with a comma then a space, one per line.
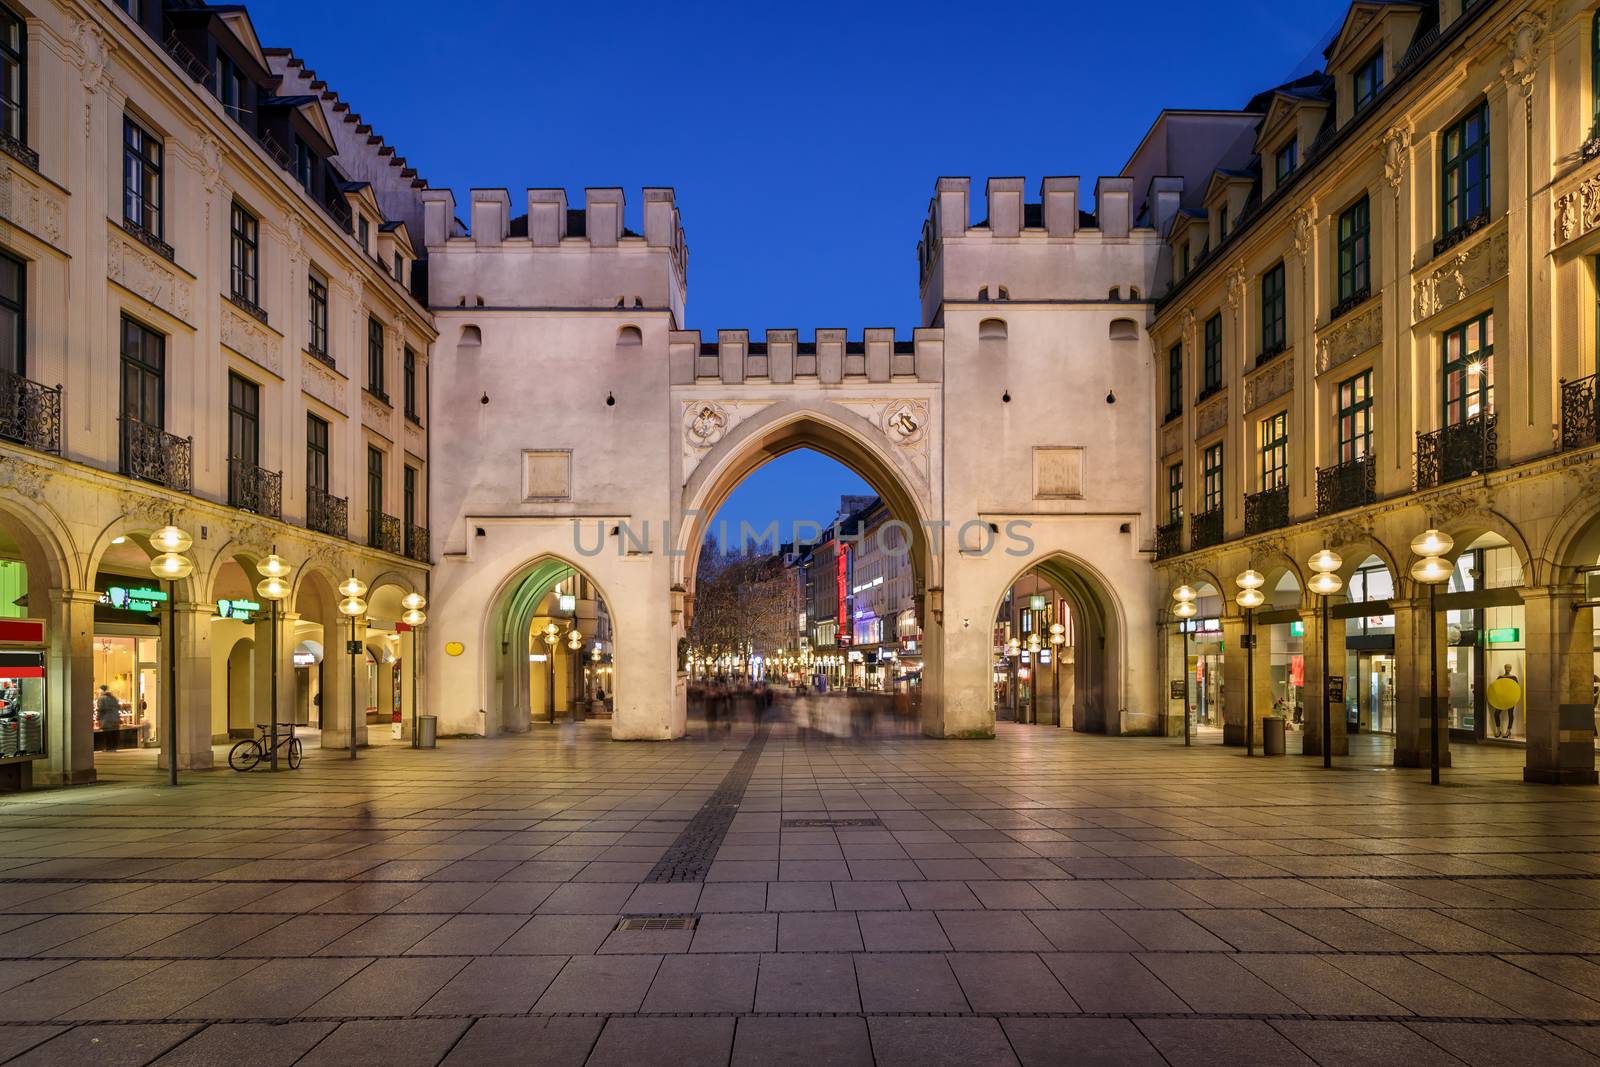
689, 858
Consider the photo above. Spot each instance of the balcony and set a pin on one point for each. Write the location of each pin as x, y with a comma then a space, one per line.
1451, 238
1205, 529
1267, 510
1169, 539
1455, 452
252, 489
19, 151
417, 543
1580, 413
338, 208
383, 532
149, 240
320, 354
1270, 353
1350, 303
151, 454
185, 58
249, 307
1346, 485
30, 414
1207, 393
327, 514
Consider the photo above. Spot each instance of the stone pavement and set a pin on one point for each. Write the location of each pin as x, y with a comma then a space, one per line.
1043, 898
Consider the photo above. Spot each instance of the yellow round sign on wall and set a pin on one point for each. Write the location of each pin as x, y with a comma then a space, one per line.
454, 648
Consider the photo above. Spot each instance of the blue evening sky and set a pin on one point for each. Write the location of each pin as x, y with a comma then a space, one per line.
803, 139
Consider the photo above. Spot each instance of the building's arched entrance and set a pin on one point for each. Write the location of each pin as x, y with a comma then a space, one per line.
553, 653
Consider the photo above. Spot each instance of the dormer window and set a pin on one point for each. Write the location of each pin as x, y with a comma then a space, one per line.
1222, 222
1185, 259
304, 164
399, 269
230, 87
1286, 160
364, 233
1369, 80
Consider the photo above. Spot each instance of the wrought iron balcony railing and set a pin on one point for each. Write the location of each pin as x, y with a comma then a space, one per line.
320, 354
1350, 303
254, 489
1169, 539
327, 514
149, 240
185, 58
1450, 238
19, 151
30, 414
1346, 485
1457, 451
151, 454
1205, 529
1580, 413
1267, 510
338, 209
383, 532
417, 543
249, 307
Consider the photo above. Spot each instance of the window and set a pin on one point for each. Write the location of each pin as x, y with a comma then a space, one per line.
1355, 418
374, 495
375, 357
399, 269
1174, 380
1594, 75
363, 233
316, 454
13, 76
244, 420
1272, 439
141, 177
245, 255
305, 162
13, 304
1465, 165
1213, 479
144, 357
410, 384
1222, 222
1175, 493
409, 501
1469, 370
1185, 258
317, 291
230, 87
1213, 355
1274, 313
1355, 251
1369, 80
1287, 159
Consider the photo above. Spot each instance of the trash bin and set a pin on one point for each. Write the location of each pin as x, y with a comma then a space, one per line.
428, 732
1272, 735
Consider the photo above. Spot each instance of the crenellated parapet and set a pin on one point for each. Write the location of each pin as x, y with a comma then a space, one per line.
783, 359
1049, 249
553, 255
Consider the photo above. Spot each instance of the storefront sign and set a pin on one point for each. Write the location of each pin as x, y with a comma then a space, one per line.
1179, 689
237, 610
304, 659
141, 599
1591, 586
1504, 635
1297, 629
1336, 689
22, 631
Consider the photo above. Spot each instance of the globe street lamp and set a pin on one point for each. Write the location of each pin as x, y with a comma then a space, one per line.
1184, 608
551, 635
414, 617
1058, 638
352, 607
273, 587
1250, 598
1432, 570
173, 566
575, 645
1324, 584
1034, 645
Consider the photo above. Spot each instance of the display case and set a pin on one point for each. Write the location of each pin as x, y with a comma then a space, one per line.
24, 697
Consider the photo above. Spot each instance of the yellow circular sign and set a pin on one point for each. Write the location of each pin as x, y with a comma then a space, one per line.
454, 648
1504, 693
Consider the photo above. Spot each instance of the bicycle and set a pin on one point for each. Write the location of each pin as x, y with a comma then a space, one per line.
246, 754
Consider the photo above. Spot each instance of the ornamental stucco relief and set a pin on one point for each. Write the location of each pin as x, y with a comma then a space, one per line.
146, 274
1350, 338
250, 339
319, 381
1268, 384
706, 422
1577, 211
1211, 416
1172, 437
1462, 274
29, 204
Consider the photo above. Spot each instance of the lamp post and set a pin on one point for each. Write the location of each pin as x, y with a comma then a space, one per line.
574, 645
551, 634
173, 566
1250, 598
414, 617
1324, 584
352, 607
273, 587
1432, 570
1014, 661
1184, 608
1058, 638
1034, 644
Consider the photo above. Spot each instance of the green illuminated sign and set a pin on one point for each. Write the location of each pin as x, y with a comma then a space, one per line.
1505, 635
143, 600
237, 610
1297, 629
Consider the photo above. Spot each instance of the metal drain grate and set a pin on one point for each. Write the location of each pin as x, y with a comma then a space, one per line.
659, 922
798, 824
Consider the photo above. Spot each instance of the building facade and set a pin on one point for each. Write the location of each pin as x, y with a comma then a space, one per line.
211, 321
1378, 316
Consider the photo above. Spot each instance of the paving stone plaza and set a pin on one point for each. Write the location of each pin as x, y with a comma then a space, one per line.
1043, 898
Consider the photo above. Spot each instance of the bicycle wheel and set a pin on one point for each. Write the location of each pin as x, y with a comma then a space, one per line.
294, 753
245, 755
